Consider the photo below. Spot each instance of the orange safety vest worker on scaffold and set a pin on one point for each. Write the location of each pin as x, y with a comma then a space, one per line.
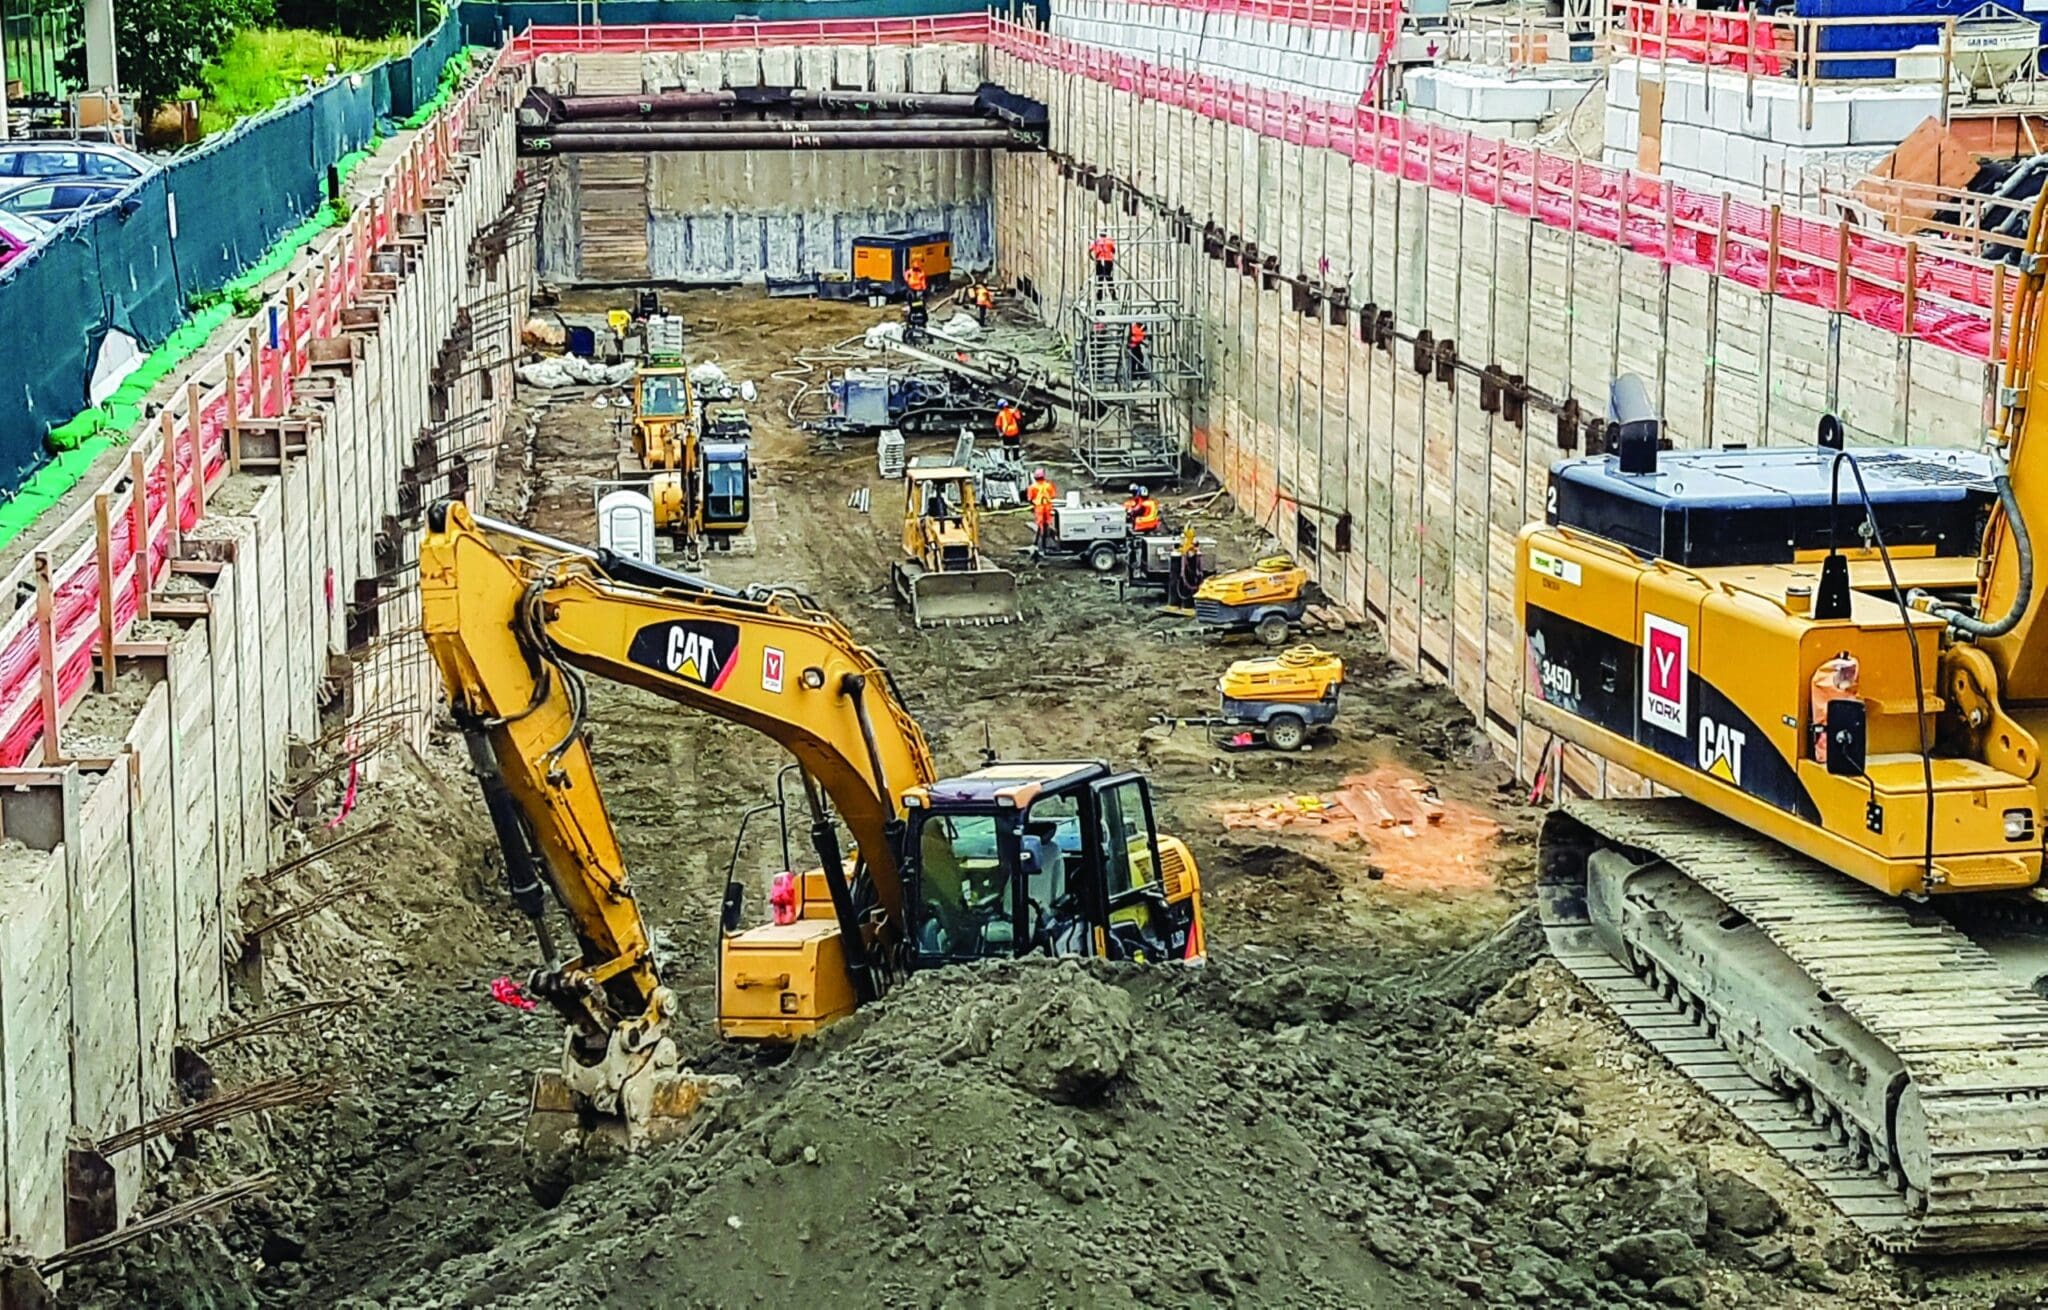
1103, 251
1043, 495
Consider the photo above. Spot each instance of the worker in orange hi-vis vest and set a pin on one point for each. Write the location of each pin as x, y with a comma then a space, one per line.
983, 300
1010, 427
1134, 345
914, 278
1103, 251
1043, 495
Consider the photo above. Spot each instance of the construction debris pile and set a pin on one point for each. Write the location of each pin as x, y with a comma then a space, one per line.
1242, 1132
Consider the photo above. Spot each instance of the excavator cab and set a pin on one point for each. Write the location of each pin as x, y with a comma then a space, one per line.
663, 412
1060, 858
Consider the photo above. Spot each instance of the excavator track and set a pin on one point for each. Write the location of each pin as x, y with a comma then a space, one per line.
1871, 1043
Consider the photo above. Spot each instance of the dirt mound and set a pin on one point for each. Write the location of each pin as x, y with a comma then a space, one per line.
1037, 1133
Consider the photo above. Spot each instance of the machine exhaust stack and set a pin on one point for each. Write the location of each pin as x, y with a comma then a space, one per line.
1639, 429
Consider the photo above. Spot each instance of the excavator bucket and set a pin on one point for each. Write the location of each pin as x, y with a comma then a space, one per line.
559, 1117
979, 597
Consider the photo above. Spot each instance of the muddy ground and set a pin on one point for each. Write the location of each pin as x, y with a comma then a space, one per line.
1375, 1093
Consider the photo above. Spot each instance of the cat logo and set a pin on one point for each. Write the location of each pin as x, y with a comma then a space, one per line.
1721, 750
699, 651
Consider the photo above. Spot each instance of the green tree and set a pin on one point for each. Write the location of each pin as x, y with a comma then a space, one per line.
369, 19
163, 44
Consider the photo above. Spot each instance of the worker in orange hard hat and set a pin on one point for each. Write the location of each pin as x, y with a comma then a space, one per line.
914, 278
1103, 251
1043, 495
1134, 347
1010, 426
983, 299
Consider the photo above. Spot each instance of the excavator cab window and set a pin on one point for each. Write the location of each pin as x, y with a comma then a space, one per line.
968, 907
725, 491
1053, 848
663, 397
1137, 914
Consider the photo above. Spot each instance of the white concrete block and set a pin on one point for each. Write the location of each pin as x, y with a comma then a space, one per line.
814, 68
1420, 86
1681, 145
1616, 129
851, 69
742, 68
1713, 152
1621, 85
927, 70
1829, 125
1888, 116
778, 66
703, 70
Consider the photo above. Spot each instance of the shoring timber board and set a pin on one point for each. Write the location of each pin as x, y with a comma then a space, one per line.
201, 991
106, 1028
152, 838
35, 1067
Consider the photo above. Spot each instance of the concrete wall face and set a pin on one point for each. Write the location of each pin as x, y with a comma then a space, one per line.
745, 215
1301, 413
120, 914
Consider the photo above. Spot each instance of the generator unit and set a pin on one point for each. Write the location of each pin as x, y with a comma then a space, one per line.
879, 262
1099, 534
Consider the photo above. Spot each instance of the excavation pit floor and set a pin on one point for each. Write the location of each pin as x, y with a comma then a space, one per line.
1375, 1093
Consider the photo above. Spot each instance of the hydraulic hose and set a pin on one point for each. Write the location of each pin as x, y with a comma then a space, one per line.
1969, 624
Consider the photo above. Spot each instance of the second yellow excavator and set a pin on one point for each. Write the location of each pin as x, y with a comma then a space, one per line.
1056, 858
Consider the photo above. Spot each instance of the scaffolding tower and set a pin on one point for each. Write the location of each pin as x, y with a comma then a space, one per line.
1134, 409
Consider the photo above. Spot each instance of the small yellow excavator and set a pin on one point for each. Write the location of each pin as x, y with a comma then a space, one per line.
1056, 858
1835, 660
1266, 600
943, 576
699, 486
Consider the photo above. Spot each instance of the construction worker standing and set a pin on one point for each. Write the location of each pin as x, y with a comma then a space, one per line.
914, 279
1103, 251
1141, 511
1043, 495
1010, 427
983, 300
1134, 345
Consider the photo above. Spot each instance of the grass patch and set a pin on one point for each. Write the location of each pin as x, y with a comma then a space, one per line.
262, 68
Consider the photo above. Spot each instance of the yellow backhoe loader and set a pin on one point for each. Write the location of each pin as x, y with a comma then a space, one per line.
1837, 661
700, 487
1056, 858
943, 576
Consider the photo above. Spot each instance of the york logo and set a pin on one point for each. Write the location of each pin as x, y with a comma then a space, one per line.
1721, 750
1664, 673
699, 651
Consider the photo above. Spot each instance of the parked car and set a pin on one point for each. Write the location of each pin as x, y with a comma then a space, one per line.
17, 233
71, 159
55, 199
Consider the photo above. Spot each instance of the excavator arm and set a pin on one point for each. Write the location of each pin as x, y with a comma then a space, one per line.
515, 626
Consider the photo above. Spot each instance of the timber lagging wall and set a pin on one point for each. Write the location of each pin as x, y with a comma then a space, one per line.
1300, 412
131, 880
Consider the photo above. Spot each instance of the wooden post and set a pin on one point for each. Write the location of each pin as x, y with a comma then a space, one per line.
289, 340
167, 451
1771, 253
1573, 195
1721, 239
1670, 199
234, 412
195, 412
103, 531
138, 527
1996, 352
1536, 182
46, 655
1911, 292
1842, 266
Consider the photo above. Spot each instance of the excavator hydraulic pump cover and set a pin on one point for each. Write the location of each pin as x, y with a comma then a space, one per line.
1702, 508
779, 982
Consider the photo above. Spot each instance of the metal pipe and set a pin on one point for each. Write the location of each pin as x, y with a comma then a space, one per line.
667, 103
987, 139
793, 126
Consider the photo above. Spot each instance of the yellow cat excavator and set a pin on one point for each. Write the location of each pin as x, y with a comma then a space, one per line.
1838, 661
1058, 858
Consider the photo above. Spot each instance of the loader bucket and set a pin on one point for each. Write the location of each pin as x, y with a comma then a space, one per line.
975, 598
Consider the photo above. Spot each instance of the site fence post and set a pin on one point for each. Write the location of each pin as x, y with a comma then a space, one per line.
103, 544
1911, 292
1771, 252
46, 655
167, 451
197, 429
234, 410
138, 528
1721, 239
1841, 265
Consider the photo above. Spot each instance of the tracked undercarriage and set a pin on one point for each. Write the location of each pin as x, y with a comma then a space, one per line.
1880, 1050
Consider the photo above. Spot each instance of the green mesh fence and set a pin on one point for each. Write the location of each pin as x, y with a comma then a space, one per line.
165, 264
